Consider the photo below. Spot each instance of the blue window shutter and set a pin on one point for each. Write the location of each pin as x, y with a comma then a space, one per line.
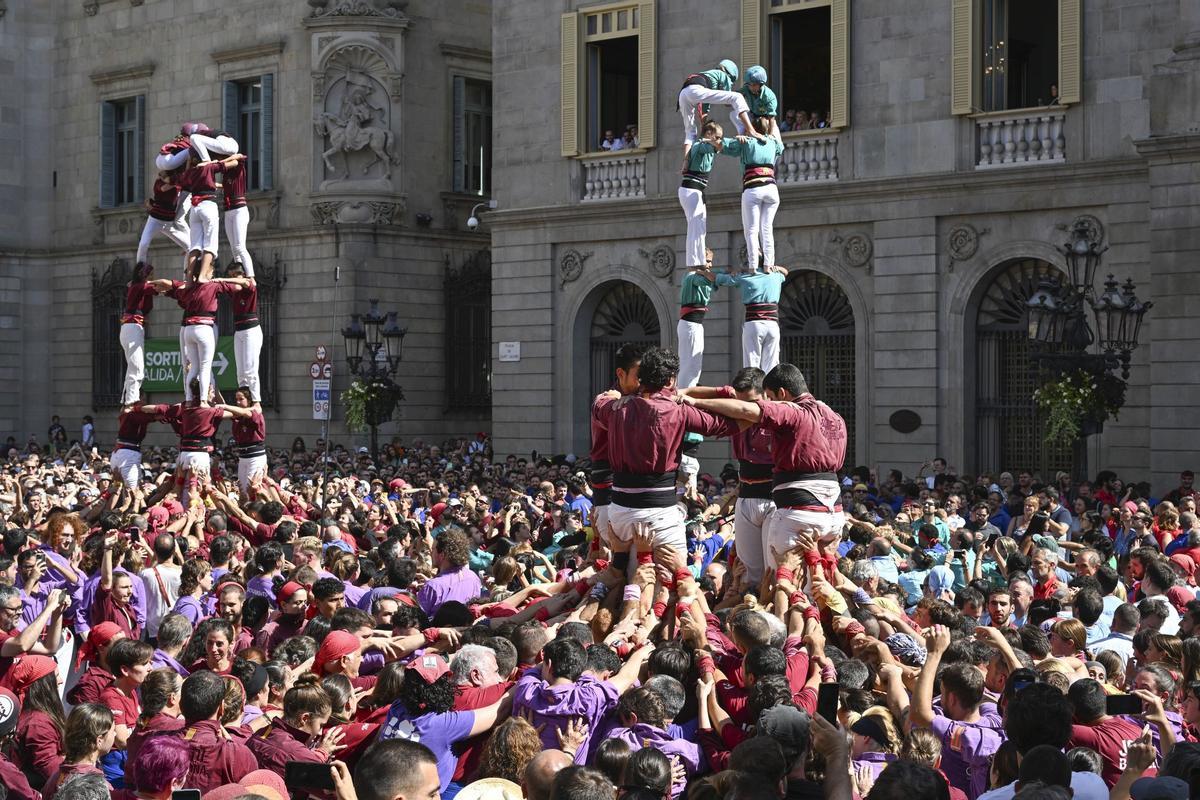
459, 133
108, 148
139, 147
229, 109
268, 131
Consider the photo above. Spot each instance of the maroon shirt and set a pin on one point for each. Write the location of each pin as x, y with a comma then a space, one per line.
277, 630
235, 186
158, 725
139, 299
279, 743
201, 181
133, 424
250, 430
106, 609
216, 759
18, 786
601, 470
645, 435
809, 438
92, 682
197, 426
162, 204
199, 300
38, 746
64, 773
752, 449
245, 308
470, 750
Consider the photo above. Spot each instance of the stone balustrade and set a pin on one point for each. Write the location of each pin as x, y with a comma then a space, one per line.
614, 177
808, 158
1020, 137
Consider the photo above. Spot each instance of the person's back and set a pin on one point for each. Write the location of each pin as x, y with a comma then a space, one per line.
905, 780
1108, 736
215, 758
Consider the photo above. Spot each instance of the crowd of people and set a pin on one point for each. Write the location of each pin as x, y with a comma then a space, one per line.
439, 621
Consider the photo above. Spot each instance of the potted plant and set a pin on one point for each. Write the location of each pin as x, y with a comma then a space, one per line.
1078, 403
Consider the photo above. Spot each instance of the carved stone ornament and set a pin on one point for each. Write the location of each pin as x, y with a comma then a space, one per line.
857, 249
743, 255
1089, 223
962, 243
354, 129
356, 212
90, 7
571, 266
662, 260
392, 9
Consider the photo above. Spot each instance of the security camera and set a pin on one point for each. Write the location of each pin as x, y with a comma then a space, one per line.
473, 223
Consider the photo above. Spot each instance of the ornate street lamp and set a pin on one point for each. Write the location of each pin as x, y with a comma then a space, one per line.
1060, 335
374, 350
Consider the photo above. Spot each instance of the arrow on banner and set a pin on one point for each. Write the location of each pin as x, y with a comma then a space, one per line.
220, 363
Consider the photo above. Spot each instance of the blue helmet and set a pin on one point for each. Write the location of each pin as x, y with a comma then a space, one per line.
756, 74
730, 68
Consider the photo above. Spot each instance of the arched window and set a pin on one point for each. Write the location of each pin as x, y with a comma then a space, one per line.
623, 314
1008, 433
817, 331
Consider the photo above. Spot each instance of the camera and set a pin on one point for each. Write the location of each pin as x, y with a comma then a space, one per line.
473, 223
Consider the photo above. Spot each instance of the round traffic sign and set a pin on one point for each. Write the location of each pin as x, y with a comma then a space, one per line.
314, 370
327, 371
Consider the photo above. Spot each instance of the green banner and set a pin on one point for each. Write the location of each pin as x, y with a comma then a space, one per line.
164, 366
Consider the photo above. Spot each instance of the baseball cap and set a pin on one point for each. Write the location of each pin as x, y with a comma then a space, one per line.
362, 451
430, 668
871, 728
9, 709
398, 483
1164, 788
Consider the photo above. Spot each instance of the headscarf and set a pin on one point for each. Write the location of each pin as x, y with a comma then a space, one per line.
26, 670
941, 579
1186, 563
335, 645
99, 638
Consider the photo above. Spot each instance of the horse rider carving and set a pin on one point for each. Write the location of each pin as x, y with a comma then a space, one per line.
353, 128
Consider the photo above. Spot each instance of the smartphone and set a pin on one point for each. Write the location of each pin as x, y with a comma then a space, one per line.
991, 540
288, 550
1116, 705
1037, 525
827, 701
308, 776
185, 794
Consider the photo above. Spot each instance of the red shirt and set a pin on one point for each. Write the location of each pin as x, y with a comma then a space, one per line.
106, 609
201, 181
1044, 591
277, 630
808, 436
216, 759
199, 300
92, 682
470, 750
6, 662
601, 470
645, 432
126, 710
38, 746
1110, 738
139, 299
133, 424
280, 743
250, 430
245, 308
162, 204
234, 187
16, 782
197, 426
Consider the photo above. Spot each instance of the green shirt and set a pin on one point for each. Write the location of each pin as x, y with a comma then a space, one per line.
754, 153
696, 290
763, 104
718, 79
700, 157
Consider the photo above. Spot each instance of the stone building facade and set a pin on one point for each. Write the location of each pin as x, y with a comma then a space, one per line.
353, 113
918, 220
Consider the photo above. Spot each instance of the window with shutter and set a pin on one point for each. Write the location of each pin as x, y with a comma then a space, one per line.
809, 59
610, 53
108, 155
122, 156
267, 180
472, 135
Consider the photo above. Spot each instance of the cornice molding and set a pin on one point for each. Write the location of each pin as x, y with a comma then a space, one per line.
466, 53
247, 53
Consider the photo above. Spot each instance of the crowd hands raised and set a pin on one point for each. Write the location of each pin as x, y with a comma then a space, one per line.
439, 622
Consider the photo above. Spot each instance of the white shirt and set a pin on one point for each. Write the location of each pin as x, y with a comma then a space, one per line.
1086, 786
157, 606
1119, 643
1171, 625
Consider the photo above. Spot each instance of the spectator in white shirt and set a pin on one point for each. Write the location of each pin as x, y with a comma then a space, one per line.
162, 582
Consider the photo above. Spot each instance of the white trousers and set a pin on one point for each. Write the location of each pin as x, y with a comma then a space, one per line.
179, 234
600, 524
760, 344
200, 345
222, 145
202, 221
247, 345
696, 214
690, 99
133, 342
248, 468
759, 205
237, 222
751, 527
127, 464
198, 463
691, 352
665, 524
690, 467
821, 526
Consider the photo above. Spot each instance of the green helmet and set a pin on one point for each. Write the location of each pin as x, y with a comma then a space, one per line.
730, 68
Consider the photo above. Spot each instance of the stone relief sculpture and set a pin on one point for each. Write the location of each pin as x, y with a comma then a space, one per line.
354, 129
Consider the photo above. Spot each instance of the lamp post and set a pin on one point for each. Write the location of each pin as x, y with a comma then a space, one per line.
374, 349
1061, 336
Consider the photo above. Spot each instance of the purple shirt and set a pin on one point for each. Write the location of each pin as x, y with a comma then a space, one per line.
161, 659
190, 608
83, 608
364, 603
876, 761
438, 732
263, 586
967, 750
462, 585
556, 706
53, 579
688, 753
354, 594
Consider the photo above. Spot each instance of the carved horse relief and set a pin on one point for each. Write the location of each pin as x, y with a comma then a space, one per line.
356, 118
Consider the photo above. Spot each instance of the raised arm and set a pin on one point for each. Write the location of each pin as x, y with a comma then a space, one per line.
735, 409
920, 713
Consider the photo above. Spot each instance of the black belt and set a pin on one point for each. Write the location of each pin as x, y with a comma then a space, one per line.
601, 495
125, 444
245, 324
753, 471
692, 313
695, 180
794, 496
760, 490
663, 482
762, 312
642, 480
251, 449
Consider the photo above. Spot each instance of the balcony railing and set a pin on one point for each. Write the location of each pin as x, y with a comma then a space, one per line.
1020, 137
809, 158
614, 177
